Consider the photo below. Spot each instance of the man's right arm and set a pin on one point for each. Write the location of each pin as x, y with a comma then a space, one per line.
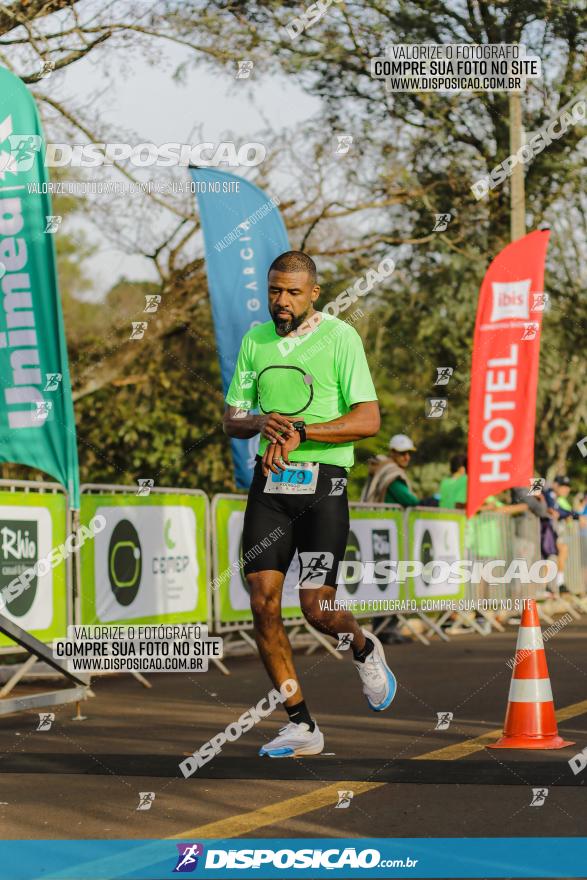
240, 424
241, 397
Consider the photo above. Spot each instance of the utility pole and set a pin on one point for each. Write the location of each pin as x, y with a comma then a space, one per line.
517, 197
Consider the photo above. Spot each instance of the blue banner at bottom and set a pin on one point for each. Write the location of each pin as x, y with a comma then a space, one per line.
415, 857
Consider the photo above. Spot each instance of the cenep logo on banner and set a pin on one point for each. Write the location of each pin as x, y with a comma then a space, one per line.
25, 537
145, 562
125, 562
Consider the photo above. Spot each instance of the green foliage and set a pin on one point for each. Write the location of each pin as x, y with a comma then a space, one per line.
160, 418
153, 407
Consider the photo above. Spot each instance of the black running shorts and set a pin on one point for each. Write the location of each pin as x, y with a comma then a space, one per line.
316, 525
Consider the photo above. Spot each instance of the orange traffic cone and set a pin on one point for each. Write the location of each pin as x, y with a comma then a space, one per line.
529, 720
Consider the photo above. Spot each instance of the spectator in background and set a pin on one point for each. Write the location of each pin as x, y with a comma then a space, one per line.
453, 489
388, 481
557, 498
536, 504
486, 536
560, 509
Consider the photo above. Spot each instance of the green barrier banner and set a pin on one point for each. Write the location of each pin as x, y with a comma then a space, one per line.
435, 535
374, 536
148, 563
229, 585
31, 525
37, 426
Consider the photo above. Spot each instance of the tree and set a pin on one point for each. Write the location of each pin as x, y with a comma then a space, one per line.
412, 156
435, 146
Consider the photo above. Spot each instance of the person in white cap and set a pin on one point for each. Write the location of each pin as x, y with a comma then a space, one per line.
388, 481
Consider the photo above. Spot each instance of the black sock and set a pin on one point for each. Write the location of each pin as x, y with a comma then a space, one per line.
299, 714
362, 655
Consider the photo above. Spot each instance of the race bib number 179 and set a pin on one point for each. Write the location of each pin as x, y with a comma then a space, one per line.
300, 478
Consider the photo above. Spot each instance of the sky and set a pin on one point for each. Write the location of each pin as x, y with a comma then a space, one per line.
146, 99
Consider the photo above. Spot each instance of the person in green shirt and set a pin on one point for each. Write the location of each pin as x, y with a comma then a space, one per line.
307, 373
453, 489
398, 490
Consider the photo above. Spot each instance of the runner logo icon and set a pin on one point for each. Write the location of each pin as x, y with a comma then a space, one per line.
344, 641
539, 796
314, 566
187, 859
444, 719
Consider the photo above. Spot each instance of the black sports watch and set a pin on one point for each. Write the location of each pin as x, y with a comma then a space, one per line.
301, 429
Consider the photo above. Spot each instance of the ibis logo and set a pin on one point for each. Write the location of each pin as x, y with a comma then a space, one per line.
510, 300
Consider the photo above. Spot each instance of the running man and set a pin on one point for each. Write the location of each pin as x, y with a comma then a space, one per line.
307, 373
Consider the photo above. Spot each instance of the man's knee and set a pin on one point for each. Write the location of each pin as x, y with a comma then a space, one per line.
266, 607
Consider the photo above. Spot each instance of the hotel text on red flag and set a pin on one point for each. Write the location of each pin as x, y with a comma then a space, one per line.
504, 372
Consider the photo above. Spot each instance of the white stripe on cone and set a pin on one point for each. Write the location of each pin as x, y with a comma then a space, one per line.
529, 638
530, 690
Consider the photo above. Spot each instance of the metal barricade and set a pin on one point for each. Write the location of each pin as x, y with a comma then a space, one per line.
571, 534
494, 541
31, 504
30, 490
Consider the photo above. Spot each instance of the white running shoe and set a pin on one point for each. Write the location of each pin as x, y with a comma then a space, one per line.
295, 740
379, 684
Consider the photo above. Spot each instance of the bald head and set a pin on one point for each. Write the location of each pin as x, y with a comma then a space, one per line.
295, 261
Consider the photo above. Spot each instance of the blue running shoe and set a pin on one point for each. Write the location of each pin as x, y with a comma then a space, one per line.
379, 684
293, 741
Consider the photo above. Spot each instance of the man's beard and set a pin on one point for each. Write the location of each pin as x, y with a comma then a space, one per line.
284, 326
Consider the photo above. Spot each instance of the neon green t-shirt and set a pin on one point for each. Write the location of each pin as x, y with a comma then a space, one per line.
453, 490
315, 377
484, 533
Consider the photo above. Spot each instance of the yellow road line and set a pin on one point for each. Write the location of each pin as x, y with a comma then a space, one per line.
459, 750
571, 711
245, 823
469, 746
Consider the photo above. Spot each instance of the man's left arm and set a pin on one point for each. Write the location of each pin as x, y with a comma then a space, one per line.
357, 389
362, 421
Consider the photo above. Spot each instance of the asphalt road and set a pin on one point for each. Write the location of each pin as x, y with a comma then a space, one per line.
83, 779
